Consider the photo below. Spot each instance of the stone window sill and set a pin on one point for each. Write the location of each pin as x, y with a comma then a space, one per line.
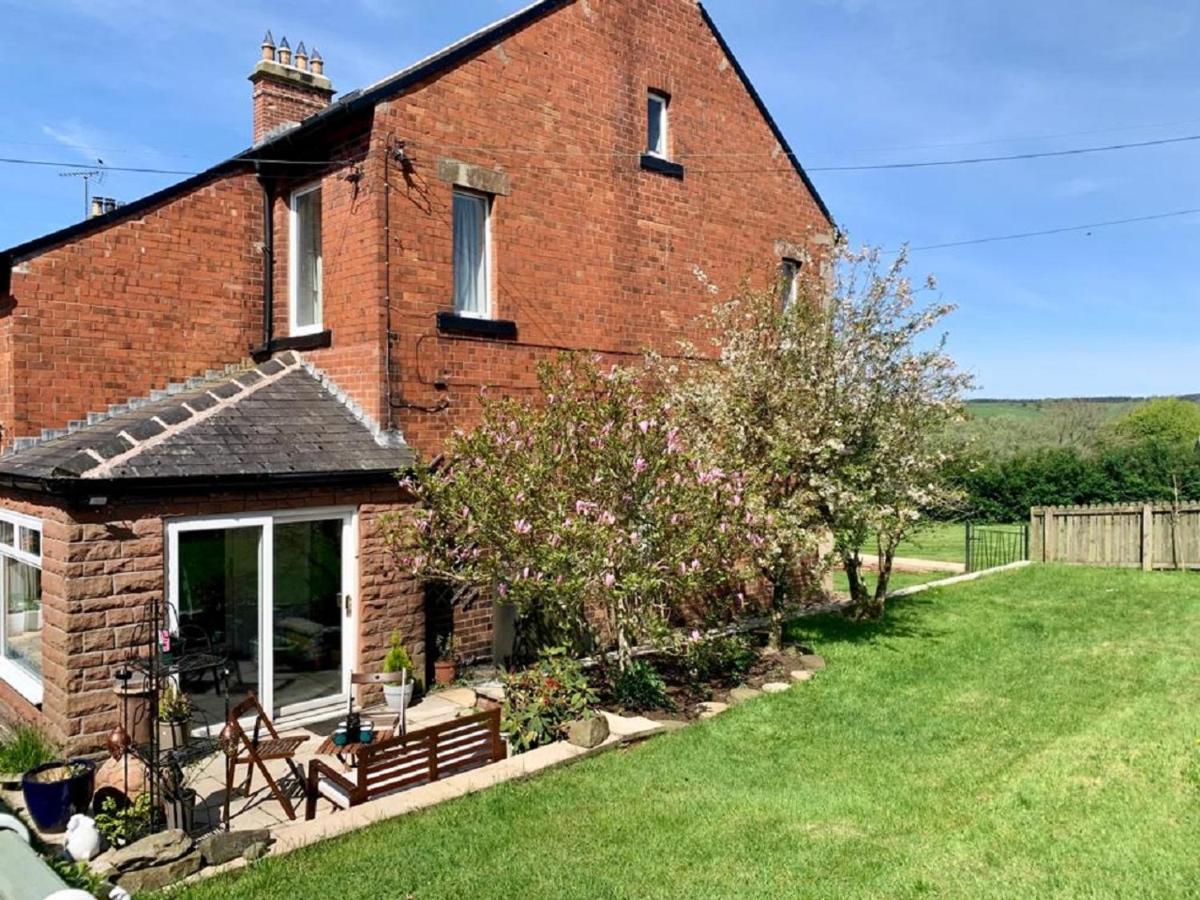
496, 329
651, 163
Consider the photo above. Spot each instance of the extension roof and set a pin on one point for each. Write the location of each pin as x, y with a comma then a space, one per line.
279, 422
364, 99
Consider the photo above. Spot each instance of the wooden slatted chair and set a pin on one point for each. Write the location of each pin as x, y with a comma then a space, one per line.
255, 749
407, 761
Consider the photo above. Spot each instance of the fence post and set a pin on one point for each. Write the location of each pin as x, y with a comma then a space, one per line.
1147, 537
967, 549
1048, 541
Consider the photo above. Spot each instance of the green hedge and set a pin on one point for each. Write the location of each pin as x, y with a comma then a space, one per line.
1004, 490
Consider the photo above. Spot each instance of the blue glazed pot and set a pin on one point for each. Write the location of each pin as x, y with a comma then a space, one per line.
51, 803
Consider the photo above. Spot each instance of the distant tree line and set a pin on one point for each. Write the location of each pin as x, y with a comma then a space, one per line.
1004, 467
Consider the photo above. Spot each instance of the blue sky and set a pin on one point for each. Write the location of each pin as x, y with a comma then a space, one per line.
162, 83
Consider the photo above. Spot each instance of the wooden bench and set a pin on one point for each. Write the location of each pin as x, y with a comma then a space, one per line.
404, 762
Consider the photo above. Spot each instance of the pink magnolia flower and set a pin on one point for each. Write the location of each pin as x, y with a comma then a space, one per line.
609, 580
644, 425
522, 526
640, 465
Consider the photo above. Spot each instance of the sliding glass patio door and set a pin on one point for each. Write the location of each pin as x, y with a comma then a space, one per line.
274, 594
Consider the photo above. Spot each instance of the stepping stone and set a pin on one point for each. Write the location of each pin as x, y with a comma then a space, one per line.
710, 708
671, 724
802, 675
741, 694
461, 696
629, 727
493, 690
775, 687
812, 662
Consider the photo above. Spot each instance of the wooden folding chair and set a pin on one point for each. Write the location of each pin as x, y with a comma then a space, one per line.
381, 678
255, 750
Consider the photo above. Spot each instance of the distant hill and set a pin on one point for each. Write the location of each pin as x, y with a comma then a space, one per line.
996, 408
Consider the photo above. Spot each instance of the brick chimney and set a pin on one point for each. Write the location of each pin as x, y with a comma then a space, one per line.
287, 88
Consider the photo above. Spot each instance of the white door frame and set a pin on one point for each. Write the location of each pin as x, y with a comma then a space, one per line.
266, 522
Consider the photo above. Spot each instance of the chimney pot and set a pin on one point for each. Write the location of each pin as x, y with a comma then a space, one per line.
97, 207
288, 87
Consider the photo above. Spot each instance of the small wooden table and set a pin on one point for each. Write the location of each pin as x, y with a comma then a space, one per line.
347, 753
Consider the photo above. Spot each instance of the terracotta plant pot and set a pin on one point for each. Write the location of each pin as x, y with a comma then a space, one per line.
445, 671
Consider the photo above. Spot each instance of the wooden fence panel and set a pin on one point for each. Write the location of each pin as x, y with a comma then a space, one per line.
1128, 535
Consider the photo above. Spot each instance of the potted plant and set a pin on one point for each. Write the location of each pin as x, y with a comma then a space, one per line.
397, 696
174, 717
57, 790
445, 667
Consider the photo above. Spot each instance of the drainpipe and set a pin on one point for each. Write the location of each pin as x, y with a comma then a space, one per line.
268, 191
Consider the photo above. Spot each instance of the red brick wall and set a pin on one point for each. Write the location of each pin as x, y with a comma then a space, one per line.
589, 251
353, 270
100, 568
156, 298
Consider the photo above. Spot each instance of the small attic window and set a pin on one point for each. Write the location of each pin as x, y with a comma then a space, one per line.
789, 282
657, 123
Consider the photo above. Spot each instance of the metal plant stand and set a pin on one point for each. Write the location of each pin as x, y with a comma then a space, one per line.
157, 654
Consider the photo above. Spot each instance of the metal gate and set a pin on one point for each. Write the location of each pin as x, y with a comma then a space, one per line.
989, 546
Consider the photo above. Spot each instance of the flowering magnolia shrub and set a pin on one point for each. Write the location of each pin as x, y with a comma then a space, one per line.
589, 510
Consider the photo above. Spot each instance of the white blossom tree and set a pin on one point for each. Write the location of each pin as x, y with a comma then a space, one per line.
832, 400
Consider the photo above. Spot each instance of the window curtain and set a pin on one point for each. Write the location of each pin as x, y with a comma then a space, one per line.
470, 255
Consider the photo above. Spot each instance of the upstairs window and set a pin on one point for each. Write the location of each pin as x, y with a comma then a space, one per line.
305, 275
656, 124
472, 278
21, 604
789, 282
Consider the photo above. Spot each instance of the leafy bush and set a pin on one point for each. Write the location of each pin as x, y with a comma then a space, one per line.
1003, 490
539, 702
79, 876
121, 825
640, 688
719, 658
25, 748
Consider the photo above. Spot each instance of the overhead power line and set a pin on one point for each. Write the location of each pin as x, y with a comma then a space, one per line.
1063, 230
975, 160
918, 164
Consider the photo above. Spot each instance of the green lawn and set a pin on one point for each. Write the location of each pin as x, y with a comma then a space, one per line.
1032, 734
945, 541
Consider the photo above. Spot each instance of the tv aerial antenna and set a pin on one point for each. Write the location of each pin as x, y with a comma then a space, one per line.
86, 175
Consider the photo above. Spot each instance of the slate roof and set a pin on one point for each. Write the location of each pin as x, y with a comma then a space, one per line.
281, 419
365, 99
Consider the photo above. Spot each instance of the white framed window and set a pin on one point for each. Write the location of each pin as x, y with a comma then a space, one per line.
21, 603
657, 123
304, 269
789, 282
472, 254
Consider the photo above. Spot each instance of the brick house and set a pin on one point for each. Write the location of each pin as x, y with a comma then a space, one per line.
205, 393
